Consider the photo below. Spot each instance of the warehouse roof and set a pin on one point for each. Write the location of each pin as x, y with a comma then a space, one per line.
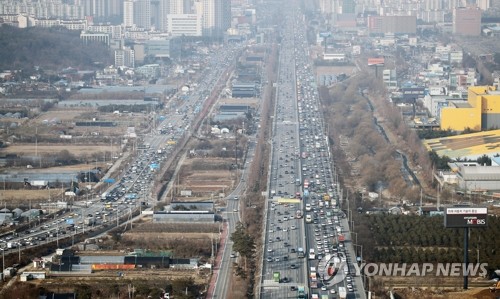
469, 146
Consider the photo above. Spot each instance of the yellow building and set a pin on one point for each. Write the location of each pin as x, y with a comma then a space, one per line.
480, 112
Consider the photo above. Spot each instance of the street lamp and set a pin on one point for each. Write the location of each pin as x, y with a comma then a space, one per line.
356, 237
359, 258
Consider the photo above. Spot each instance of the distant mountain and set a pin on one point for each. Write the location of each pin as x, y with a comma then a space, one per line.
52, 48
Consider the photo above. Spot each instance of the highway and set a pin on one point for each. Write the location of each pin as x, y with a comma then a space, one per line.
283, 269
303, 178
132, 190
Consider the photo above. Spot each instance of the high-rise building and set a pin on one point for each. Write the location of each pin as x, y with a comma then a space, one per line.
128, 13
124, 58
348, 7
184, 24
142, 14
216, 17
467, 21
392, 24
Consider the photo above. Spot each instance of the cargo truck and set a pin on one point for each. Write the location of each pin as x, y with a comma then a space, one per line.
276, 277
313, 280
300, 252
342, 293
301, 292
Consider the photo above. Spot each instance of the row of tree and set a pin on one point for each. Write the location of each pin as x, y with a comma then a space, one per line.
417, 239
351, 117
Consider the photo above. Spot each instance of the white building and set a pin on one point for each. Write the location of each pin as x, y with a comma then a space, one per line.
185, 24
475, 177
124, 58
128, 13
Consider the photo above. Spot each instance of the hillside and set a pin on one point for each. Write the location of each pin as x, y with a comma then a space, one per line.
50, 48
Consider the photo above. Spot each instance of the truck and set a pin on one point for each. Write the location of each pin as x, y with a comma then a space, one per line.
342, 293
301, 292
11, 245
276, 277
312, 255
341, 238
313, 280
300, 252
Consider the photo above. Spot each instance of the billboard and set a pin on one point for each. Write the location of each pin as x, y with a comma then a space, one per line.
413, 92
376, 61
465, 217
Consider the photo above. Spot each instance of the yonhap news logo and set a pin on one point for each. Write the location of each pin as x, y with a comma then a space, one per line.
424, 269
332, 269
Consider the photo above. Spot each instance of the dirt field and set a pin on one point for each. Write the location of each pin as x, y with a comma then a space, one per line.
209, 182
478, 293
58, 115
328, 70
18, 196
76, 149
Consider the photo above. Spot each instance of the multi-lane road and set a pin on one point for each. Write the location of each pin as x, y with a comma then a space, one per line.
303, 182
132, 190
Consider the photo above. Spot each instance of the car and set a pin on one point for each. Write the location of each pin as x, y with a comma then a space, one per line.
269, 250
235, 210
235, 198
285, 280
323, 288
293, 227
292, 250
332, 291
276, 259
233, 255
293, 266
269, 259
293, 288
